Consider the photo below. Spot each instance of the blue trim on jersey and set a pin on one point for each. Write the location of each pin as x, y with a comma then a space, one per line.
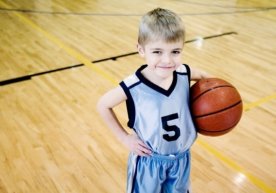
188, 73
154, 86
129, 103
134, 85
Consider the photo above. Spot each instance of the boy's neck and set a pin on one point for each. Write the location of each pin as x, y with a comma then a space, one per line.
163, 82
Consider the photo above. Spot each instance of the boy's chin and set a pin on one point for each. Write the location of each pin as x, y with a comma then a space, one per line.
164, 73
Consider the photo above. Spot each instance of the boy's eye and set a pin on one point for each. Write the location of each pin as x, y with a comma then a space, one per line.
176, 52
156, 52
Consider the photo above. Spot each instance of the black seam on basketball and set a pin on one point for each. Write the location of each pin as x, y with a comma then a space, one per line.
219, 131
229, 107
216, 87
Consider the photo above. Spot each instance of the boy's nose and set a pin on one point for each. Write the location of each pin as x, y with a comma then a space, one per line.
167, 58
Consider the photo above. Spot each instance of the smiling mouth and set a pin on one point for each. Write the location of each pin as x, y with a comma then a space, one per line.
166, 67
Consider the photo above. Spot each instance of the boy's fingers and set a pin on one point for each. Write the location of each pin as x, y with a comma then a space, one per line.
146, 151
141, 143
141, 153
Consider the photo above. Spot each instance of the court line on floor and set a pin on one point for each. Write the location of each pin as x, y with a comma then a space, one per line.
186, 42
256, 181
232, 164
30, 76
251, 105
259, 183
58, 42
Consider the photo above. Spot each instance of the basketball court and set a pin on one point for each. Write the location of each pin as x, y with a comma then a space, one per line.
58, 57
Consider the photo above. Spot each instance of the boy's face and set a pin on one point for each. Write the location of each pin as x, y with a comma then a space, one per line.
162, 58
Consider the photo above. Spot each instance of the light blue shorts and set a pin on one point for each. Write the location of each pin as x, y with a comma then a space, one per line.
159, 174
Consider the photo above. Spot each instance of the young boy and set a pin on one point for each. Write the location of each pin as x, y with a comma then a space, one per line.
157, 99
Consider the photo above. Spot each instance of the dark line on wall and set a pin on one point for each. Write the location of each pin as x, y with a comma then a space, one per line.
220, 5
64, 13
229, 12
131, 15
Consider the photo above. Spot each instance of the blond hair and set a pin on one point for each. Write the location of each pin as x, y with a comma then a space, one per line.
161, 24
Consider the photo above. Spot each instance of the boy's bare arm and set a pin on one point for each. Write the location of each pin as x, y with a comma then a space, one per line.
197, 74
105, 107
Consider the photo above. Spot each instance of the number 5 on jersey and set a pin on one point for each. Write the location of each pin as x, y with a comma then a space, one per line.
170, 128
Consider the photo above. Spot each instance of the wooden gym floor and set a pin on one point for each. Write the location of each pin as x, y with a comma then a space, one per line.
58, 57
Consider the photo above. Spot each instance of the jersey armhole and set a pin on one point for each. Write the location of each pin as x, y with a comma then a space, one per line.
129, 105
188, 73
184, 69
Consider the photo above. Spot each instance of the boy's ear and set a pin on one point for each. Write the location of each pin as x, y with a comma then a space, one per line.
140, 50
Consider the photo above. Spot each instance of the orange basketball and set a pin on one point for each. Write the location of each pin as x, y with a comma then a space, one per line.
216, 106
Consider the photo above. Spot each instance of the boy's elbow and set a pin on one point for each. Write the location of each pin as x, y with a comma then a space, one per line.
103, 106
201, 75
100, 105
109, 100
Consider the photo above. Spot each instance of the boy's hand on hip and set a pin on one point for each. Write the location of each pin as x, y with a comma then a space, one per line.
136, 145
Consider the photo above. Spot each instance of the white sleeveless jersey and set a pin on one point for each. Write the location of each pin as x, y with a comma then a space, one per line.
161, 118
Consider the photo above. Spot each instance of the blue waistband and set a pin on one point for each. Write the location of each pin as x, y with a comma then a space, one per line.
170, 156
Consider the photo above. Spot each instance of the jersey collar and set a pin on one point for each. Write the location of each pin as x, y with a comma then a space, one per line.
154, 86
